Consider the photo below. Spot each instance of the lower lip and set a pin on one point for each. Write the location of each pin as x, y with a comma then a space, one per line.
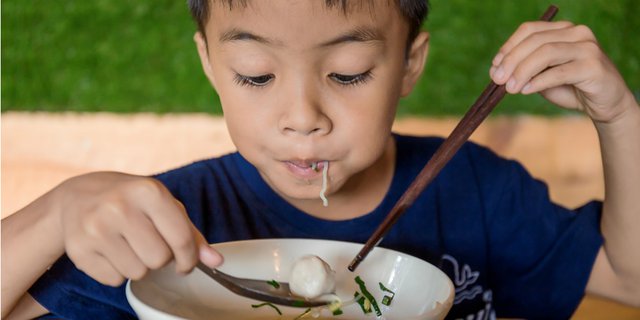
301, 172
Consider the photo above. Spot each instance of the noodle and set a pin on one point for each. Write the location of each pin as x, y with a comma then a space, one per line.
325, 169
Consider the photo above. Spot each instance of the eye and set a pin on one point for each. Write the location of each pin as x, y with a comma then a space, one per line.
258, 81
352, 79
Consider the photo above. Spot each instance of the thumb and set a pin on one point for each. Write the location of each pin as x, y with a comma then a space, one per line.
206, 253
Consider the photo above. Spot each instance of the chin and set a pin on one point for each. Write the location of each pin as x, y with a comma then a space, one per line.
301, 193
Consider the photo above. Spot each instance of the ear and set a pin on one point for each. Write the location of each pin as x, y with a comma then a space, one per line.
203, 52
415, 62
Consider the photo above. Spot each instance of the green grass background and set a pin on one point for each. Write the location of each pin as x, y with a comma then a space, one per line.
138, 56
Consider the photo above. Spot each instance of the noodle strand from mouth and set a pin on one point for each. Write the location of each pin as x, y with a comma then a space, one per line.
325, 169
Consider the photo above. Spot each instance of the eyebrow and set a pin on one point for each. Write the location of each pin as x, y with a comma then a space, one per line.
235, 34
359, 34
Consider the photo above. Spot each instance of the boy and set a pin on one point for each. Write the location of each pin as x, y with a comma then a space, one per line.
310, 84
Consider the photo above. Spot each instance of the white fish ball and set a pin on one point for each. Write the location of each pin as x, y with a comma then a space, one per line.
311, 277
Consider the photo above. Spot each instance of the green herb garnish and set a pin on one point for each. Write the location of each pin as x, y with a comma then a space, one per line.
274, 284
267, 304
362, 301
298, 303
386, 300
304, 314
335, 307
368, 295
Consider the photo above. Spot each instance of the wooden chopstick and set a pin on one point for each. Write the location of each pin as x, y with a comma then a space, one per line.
489, 98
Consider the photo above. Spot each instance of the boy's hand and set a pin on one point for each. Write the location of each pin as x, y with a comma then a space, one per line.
566, 65
117, 226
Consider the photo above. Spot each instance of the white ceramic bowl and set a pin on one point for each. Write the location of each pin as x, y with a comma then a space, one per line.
422, 291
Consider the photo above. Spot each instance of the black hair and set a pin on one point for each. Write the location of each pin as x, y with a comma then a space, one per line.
414, 12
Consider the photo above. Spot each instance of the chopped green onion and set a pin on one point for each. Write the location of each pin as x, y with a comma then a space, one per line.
274, 284
298, 303
368, 295
335, 307
386, 300
267, 304
361, 301
304, 314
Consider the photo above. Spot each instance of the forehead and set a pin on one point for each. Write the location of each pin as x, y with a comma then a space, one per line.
303, 23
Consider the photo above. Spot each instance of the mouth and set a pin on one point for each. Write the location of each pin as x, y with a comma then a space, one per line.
306, 169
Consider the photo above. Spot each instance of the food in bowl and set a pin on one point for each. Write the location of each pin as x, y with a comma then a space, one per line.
311, 277
421, 291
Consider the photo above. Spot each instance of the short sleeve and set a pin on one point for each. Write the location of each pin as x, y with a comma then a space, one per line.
540, 254
69, 293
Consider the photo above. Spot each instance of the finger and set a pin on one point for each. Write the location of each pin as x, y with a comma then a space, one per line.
123, 259
523, 31
100, 269
565, 74
207, 254
172, 222
564, 67
89, 241
555, 84
546, 56
564, 96
527, 46
146, 241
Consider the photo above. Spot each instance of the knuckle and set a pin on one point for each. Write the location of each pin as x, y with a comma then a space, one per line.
565, 24
549, 47
184, 243
96, 227
107, 277
186, 256
159, 260
138, 273
112, 279
146, 187
592, 48
536, 37
186, 266
136, 188
180, 205
583, 31
507, 60
528, 26
76, 251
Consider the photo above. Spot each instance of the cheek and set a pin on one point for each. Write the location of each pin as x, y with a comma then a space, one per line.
368, 129
247, 127
371, 114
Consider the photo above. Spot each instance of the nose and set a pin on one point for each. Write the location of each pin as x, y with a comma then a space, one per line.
304, 113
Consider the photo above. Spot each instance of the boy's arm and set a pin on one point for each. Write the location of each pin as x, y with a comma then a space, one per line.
618, 263
31, 242
566, 65
112, 226
26, 308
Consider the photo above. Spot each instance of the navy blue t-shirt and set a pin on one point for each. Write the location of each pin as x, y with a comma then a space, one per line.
484, 221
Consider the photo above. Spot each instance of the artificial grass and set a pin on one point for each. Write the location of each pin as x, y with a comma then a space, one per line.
139, 56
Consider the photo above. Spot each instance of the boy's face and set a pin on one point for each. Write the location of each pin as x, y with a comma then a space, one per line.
300, 83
